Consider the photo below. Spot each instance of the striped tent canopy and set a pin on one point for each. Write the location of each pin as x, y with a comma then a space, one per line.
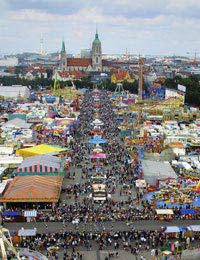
33, 189
40, 164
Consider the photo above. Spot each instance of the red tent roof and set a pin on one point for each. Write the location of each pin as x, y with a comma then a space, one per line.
33, 189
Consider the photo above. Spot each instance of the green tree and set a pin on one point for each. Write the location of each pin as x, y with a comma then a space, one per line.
192, 84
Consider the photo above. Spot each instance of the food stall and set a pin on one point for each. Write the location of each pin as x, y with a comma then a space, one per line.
164, 214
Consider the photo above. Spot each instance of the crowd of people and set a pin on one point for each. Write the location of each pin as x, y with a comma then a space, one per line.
125, 204
135, 242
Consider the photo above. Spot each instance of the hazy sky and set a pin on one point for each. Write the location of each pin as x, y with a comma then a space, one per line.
141, 26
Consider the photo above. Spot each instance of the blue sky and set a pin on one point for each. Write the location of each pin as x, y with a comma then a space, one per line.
142, 26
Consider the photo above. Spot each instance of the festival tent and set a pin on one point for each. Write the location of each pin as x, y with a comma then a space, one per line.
33, 189
39, 150
40, 164
98, 156
17, 123
157, 170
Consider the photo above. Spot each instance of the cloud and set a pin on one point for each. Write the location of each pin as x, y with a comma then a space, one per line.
154, 26
34, 15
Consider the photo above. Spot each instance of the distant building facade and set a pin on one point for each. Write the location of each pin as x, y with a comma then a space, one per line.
121, 76
32, 72
9, 62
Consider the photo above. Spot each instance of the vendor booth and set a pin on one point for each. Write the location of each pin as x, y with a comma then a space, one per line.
164, 214
27, 232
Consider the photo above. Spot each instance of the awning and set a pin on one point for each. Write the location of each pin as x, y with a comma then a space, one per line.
164, 212
172, 229
27, 232
97, 141
11, 213
181, 229
98, 156
187, 211
30, 213
195, 228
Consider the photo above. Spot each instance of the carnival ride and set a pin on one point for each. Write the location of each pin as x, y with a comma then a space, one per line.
67, 92
8, 251
6, 245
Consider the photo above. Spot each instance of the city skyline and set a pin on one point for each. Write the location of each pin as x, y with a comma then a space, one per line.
147, 26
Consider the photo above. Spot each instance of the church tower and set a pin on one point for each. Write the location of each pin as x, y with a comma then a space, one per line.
63, 59
96, 54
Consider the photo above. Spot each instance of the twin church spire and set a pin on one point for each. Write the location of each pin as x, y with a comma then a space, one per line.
96, 55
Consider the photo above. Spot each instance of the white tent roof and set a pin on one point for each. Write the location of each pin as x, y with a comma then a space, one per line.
6, 150
14, 91
157, 170
195, 228
17, 123
164, 212
4, 160
27, 232
172, 229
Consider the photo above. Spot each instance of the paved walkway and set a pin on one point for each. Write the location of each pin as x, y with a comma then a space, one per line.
109, 226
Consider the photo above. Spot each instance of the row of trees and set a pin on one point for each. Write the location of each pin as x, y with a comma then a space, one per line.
44, 82
192, 84
35, 83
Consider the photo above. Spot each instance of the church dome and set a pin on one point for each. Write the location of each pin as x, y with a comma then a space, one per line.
96, 40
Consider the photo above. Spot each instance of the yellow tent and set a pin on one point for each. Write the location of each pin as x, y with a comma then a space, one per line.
38, 150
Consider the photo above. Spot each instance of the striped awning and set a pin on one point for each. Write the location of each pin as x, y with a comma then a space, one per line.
33, 189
